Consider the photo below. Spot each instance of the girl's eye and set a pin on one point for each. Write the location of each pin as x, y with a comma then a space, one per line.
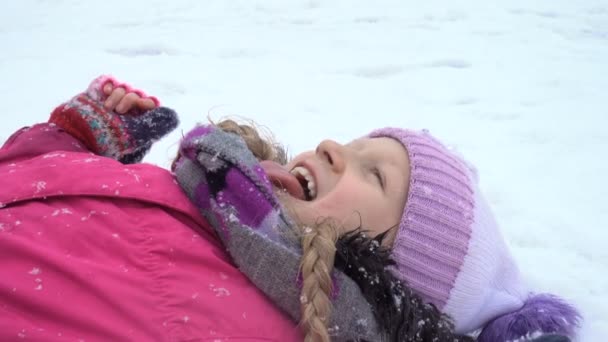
378, 175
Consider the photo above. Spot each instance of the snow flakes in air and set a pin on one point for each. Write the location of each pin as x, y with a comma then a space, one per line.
333, 330
91, 213
232, 217
214, 158
35, 271
21, 334
53, 155
397, 299
40, 185
86, 160
362, 322
64, 211
134, 174
219, 291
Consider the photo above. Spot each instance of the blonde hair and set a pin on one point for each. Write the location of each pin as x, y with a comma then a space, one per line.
318, 242
262, 147
318, 254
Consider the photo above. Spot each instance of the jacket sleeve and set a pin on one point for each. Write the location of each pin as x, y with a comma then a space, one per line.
39, 139
226, 183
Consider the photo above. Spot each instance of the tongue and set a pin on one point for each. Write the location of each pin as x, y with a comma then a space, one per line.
282, 179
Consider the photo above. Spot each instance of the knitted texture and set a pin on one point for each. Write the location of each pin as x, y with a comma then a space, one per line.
225, 181
449, 247
126, 138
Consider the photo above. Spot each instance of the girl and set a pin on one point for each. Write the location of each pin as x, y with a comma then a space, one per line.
234, 194
415, 198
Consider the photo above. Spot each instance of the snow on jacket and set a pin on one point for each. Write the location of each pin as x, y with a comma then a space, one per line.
94, 250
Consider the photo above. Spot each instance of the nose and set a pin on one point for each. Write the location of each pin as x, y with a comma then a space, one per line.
333, 153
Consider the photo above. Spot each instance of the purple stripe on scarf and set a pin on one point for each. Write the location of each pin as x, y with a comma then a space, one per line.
251, 205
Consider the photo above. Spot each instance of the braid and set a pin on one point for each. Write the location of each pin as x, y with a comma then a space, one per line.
318, 253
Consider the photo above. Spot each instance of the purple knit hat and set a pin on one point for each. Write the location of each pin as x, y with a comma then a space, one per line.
449, 249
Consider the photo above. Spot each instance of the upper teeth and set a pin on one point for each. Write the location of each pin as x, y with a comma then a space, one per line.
312, 187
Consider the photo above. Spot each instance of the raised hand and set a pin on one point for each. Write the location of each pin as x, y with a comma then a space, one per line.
115, 120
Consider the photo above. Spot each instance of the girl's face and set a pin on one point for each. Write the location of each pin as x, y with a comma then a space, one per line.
361, 184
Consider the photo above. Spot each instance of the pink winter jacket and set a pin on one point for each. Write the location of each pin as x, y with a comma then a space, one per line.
94, 250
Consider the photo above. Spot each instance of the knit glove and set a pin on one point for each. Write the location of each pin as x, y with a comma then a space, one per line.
124, 137
230, 188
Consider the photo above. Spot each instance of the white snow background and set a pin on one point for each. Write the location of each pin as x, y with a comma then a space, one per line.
519, 87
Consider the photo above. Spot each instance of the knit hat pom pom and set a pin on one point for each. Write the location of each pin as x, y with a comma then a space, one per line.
541, 313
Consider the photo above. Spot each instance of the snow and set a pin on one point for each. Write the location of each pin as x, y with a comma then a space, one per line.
519, 87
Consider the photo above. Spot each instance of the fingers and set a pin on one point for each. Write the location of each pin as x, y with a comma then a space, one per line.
121, 102
107, 89
146, 104
127, 102
114, 99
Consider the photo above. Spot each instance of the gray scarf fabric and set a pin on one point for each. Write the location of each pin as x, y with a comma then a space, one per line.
225, 181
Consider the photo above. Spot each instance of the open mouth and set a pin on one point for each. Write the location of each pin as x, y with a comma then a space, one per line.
307, 182
299, 182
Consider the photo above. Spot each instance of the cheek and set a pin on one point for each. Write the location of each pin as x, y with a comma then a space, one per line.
352, 206
361, 207
309, 213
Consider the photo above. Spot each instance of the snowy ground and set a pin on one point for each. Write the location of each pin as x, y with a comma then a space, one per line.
519, 87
